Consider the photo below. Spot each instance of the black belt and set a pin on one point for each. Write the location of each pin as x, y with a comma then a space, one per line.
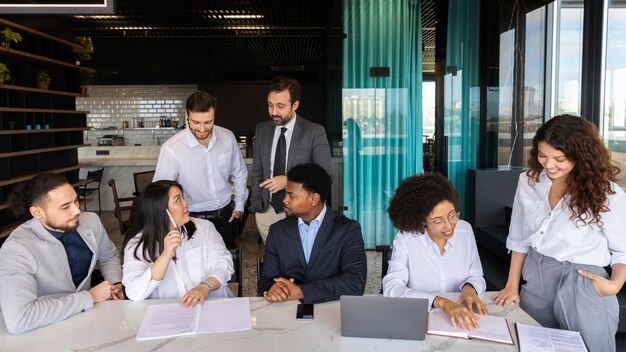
212, 214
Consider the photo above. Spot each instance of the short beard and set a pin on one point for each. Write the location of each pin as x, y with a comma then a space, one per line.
62, 227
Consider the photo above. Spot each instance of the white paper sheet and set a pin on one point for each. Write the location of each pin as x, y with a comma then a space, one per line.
174, 319
540, 339
167, 320
221, 315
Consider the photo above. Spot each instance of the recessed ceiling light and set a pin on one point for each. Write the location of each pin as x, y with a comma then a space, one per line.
98, 17
242, 16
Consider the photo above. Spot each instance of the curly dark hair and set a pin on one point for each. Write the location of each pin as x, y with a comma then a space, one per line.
416, 197
589, 182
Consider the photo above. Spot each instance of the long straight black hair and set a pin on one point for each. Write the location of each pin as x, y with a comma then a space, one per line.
153, 221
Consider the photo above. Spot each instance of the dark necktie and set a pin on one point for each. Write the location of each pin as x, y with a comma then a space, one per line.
279, 169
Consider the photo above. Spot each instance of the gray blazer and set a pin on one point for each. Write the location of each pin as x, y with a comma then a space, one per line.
36, 286
308, 145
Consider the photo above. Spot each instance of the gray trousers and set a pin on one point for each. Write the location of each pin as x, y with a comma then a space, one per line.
558, 297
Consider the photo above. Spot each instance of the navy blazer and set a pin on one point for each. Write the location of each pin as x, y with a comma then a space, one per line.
308, 145
337, 265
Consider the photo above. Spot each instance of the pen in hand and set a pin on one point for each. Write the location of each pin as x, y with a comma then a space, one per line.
176, 227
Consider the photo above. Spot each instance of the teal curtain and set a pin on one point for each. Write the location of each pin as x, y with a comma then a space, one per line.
382, 116
462, 91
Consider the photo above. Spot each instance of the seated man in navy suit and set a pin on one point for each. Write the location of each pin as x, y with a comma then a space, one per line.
315, 254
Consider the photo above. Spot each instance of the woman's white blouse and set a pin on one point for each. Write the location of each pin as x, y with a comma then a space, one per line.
418, 270
202, 256
552, 233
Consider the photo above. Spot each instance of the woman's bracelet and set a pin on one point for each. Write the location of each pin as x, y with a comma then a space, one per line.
208, 284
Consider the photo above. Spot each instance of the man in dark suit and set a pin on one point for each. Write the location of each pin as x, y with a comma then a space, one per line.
315, 254
291, 137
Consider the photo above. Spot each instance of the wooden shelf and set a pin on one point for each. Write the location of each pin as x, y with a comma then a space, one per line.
45, 91
54, 111
74, 46
28, 177
49, 130
43, 59
42, 150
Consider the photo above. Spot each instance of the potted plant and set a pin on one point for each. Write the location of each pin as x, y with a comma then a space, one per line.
5, 73
10, 36
86, 78
87, 44
42, 79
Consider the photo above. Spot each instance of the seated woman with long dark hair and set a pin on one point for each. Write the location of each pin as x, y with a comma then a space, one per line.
173, 255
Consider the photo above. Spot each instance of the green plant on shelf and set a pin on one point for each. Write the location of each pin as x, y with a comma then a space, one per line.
5, 73
87, 44
42, 79
10, 36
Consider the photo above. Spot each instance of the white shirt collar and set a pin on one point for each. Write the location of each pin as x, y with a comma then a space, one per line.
319, 218
289, 124
192, 141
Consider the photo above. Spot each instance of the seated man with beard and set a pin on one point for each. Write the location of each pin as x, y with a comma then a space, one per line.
46, 263
316, 254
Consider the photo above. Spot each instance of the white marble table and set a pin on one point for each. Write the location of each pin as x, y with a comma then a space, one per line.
112, 326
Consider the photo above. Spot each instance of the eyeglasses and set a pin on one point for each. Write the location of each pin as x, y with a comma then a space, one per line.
452, 219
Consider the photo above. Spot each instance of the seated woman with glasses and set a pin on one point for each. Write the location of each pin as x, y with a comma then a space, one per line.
172, 255
434, 252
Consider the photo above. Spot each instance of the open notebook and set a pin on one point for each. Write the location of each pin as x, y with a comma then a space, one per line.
173, 319
492, 328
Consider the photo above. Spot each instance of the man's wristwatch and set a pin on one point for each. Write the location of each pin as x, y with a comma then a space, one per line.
208, 284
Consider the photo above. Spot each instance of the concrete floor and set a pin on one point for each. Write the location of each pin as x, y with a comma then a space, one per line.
252, 250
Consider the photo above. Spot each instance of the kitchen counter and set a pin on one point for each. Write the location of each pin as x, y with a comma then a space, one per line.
120, 156
120, 162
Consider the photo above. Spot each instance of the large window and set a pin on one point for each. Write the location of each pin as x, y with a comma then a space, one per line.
614, 114
569, 57
428, 108
534, 75
539, 76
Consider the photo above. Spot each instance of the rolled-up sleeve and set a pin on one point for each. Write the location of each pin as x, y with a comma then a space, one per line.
137, 276
395, 283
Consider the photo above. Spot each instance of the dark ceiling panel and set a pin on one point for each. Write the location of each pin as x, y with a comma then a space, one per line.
266, 34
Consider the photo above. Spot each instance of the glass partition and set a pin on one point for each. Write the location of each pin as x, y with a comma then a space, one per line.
613, 122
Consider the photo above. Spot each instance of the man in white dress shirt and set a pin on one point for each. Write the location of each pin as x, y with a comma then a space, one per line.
205, 159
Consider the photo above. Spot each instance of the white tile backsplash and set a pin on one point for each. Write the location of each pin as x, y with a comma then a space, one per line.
110, 106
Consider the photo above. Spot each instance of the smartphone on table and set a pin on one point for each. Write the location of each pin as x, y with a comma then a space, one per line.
304, 312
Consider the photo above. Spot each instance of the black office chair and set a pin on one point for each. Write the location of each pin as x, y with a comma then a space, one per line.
237, 277
84, 191
125, 225
384, 264
142, 179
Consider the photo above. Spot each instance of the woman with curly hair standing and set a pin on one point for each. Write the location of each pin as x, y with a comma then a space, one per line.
568, 223
434, 252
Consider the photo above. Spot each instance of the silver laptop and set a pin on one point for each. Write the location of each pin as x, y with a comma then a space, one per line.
384, 317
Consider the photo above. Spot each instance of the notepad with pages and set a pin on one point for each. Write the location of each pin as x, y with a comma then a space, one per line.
174, 319
537, 338
492, 328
